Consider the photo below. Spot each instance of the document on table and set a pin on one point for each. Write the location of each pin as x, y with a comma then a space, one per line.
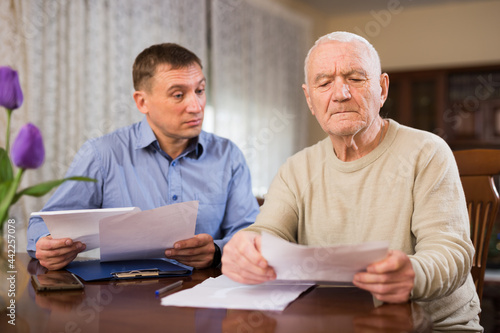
332, 264
222, 292
125, 233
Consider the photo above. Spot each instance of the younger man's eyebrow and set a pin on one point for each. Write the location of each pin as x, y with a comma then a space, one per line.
184, 86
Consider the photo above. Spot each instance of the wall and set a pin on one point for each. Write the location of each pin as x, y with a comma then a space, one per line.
320, 20
320, 27
447, 35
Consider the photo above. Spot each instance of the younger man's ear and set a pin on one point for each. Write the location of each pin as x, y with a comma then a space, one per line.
141, 101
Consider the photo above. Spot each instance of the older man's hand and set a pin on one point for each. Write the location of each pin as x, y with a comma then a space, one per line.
243, 262
390, 280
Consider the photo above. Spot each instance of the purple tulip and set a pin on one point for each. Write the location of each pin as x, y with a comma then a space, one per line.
27, 150
11, 95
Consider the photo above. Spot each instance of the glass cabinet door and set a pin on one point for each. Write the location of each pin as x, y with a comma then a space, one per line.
423, 105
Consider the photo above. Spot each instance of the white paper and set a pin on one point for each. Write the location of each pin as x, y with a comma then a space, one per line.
79, 225
294, 262
125, 233
147, 234
222, 292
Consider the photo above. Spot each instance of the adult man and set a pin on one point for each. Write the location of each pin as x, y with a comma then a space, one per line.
166, 158
371, 179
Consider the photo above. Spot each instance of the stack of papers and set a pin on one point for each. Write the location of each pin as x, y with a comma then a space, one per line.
222, 292
297, 267
125, 233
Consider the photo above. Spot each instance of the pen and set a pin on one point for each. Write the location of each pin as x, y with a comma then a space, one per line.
169, 287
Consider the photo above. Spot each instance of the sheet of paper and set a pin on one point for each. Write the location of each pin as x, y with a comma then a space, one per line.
222, 292
146, 234
79, 225
294, 262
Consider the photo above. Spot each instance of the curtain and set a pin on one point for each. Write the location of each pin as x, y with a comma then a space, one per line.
257, 51
75, 61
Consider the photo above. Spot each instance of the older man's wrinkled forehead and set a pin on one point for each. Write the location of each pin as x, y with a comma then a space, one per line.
358, 52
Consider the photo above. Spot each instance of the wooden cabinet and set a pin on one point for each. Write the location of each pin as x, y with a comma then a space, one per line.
461, 105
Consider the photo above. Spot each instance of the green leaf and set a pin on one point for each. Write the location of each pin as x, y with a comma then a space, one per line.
43, 188
3, 217
4, 188
6, 172
10, 192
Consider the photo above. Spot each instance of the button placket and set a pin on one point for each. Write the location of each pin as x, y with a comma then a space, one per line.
175, 181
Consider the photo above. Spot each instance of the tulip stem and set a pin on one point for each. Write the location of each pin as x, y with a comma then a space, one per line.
5, 203
9, 113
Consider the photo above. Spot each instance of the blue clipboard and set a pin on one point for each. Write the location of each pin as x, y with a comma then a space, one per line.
95, 270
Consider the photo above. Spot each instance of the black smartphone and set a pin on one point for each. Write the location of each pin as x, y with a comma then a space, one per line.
56, 281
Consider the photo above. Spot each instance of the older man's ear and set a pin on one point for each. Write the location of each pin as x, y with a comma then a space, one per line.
308, 98
384, 85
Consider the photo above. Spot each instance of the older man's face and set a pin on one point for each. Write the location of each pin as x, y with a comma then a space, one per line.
343, 87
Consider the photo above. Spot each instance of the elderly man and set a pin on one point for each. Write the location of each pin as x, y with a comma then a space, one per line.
164, 159
371, 179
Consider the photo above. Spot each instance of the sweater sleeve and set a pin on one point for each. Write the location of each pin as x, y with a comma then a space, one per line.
279, 214
443, 248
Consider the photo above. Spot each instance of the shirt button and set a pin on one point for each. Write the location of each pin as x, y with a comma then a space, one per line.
173, 163
174, 197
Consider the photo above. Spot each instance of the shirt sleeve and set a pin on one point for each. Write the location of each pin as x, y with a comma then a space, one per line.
71, 194
241, 206
443, 248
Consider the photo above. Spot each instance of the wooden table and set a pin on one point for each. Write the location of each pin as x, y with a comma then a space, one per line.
131, 306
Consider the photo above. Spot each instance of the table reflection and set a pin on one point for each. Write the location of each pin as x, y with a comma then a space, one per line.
131, 306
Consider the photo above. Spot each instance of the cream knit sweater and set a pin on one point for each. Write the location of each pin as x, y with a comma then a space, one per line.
406, 191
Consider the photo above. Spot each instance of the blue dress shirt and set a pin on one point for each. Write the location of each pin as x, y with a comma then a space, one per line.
132, 171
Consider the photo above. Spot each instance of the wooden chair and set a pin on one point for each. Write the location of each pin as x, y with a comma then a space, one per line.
477, 168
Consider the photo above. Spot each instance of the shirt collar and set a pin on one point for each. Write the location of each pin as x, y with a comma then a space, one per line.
146, 137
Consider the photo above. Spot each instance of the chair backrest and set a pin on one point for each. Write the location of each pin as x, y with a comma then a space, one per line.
477, 168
